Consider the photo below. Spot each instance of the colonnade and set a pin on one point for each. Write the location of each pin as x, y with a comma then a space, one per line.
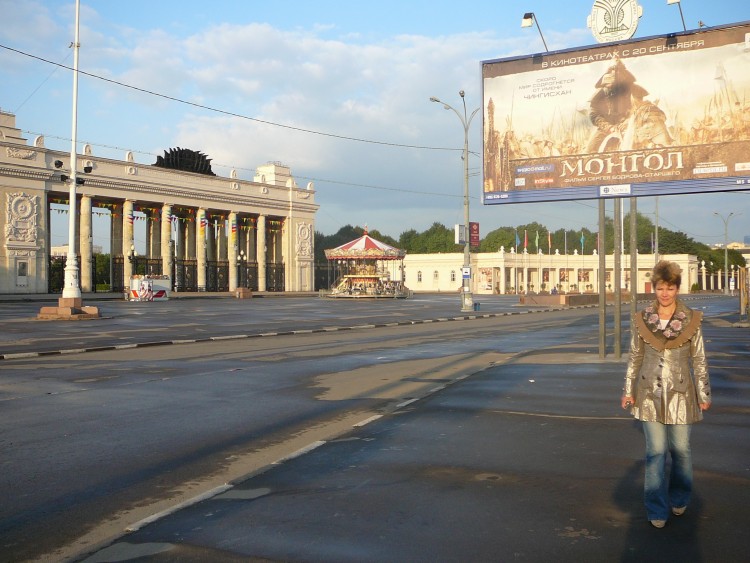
182, 233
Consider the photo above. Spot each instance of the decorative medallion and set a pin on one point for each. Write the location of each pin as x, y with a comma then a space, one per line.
614, 20
304, 239
21, 214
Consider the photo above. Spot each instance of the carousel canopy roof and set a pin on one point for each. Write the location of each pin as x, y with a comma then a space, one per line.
365, 247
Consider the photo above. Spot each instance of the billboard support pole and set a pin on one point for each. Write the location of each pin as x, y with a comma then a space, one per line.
633, 258
617, 277
602, 283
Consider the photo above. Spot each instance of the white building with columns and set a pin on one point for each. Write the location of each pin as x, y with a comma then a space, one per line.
206, 232
506, 272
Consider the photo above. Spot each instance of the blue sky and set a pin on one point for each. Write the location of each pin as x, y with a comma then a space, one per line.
361, 70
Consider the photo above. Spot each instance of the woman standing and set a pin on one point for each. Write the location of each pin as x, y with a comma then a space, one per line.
661, 392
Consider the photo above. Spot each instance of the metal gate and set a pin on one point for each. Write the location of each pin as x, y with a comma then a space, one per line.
118, 274
185, 275
275, 276
144, 266
247, 275
56, 273
217, 275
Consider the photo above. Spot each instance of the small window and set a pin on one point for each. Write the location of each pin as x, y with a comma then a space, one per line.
435, 276
453, 275
419, 276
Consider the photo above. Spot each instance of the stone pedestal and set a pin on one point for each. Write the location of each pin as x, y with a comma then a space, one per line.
68, 309
243, 293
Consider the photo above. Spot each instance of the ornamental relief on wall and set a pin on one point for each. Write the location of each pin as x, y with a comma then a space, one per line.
304, 240
20, 216
23, 154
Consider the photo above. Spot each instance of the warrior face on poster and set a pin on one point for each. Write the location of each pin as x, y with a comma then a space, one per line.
664, 109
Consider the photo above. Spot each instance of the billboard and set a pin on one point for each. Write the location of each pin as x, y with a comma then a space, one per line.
662, 115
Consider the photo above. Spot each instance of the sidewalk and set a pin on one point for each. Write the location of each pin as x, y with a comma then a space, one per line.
530, 460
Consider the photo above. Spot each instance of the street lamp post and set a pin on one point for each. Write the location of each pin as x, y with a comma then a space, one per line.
726, 244
467, 301
71, 288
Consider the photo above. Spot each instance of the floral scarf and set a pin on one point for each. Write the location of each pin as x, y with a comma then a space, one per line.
679, 330
674, 326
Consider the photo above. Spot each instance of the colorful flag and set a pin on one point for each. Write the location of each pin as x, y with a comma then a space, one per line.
537, 242
583, 239
518, 241
525, 239
549, 242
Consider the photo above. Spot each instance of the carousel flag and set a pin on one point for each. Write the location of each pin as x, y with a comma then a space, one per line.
518, 241
549, 242
536, 241
583, 240
525, 239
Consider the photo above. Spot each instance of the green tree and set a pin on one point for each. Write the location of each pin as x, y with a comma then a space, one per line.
438, 238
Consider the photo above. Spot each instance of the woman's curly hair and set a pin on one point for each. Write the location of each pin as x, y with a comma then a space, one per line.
667, 272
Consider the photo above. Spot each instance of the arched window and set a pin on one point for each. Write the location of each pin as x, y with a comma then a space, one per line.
419, 276
453, 275
435, 276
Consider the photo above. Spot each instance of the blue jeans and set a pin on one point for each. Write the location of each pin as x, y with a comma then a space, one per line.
661, 494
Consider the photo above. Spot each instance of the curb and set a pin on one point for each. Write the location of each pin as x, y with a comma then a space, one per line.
25, 355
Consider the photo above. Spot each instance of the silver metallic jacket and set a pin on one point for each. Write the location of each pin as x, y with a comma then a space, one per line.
659, 368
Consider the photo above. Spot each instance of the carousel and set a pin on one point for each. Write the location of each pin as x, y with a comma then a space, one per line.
367, 268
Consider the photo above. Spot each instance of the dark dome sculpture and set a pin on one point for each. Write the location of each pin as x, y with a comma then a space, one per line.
186, 160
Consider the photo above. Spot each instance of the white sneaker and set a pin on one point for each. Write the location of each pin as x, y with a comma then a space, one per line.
658, 523
679, 510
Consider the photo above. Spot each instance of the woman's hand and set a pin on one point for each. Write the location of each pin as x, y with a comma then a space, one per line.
704, 406
626, 401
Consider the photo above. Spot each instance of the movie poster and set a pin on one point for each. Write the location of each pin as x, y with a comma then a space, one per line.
668, 114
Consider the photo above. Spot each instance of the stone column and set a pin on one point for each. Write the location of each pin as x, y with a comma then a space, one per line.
180, 237
719, 281
200, 248
115, 222
233, 250
85, 243
165, 239
260, 234
211, 240
154, 222
222, 240
190, 238
127, 241
149, 235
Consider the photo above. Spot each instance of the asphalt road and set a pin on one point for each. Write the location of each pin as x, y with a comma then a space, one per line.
127, 324
407, 449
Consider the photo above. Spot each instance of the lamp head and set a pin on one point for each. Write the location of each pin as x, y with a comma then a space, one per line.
673, 2
434, 99
88, 169
528, 19
461, 93
58, 164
